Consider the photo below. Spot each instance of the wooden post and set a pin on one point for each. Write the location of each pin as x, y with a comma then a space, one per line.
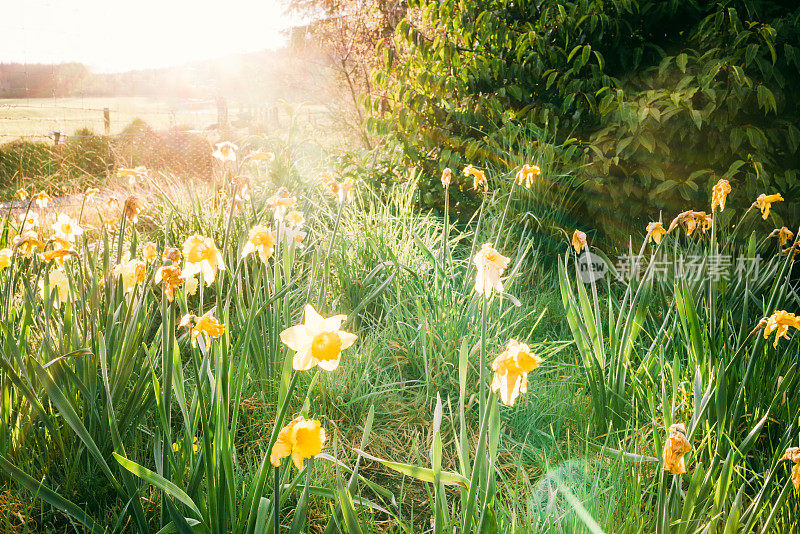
107, 120
56, 137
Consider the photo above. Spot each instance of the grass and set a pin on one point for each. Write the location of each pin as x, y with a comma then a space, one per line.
105, 394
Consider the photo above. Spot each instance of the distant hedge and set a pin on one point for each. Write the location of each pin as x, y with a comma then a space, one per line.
663, 97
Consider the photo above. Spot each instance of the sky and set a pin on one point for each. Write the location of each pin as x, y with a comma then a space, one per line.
114, 35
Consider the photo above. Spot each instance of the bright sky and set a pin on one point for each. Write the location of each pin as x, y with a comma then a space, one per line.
114, 35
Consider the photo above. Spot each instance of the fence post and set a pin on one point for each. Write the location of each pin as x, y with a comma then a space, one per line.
107, 120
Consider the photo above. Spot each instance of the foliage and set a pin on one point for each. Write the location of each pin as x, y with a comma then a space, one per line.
660, 98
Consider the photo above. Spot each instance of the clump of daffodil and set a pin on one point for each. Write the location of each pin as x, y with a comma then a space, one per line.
578, 241
490, 265
28, 221
719, 193
318, 341
5, 258
42, 199
478, 178
783, 234
131, 271
764, 202
260, 239
67, 228
27, 242
225, 151
511, 370
21, 194
675, 448
149, 252
691, 220
133, 206
206, 324
59, 282
302, 438
447, 177
201, 256
792, 454
527, 174
654, 232
779, 322
133, 174
170, 276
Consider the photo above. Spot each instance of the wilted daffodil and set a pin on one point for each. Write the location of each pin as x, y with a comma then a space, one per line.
5, 258
133, 206
490, 266
318, 341
27, 242
764, 202
172, 254
783, 233
260, 239
201, 256
779, 322
447, 177
511, 370
478, 178
225, 151
654, 232
578, 241
793, 455
42, 199
526, 175
206, 324
67, 228
61, 250
132, 272
149, 251
302, 438
675, 448
59, 282
170, 276
691, 220
719, 193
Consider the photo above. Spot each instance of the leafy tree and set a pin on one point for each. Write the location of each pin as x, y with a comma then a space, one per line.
664, 97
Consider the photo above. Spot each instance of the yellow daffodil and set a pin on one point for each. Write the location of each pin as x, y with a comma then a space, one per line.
783, 233
490, 265
170, 276
191, 285
302, 438
62, 249
67, 228
318, 341
201, 256
578, 241
447, 177
149, 251
511, 370
478, 178
42, 199
779, 322
28, 221
132, 272
110, 224
5, 258
654, 232
176, 447
207, 324
22, 194
691, 220
527, 174
172, 254
225, 151
281, 202
240, 186
719, 193
792, 454
291, 228
133, 206
260, 239
675, 448
764, 202
59, 282
27, 242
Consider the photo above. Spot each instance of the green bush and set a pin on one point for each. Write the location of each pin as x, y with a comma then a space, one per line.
662, 97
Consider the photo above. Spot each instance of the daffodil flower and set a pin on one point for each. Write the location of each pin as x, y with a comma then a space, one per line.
225, 151
764, 202
27, 242
170, 276
22, 194
302, 438
478, 178
131, 271
490, 266
149, 252
779, 322
675, 448
654, 232
793, 455
67, 228
42, 199
260, 239
206, 324
318, 341
691, 220
28, 221
719, 193
784, 235
133, 206
201, 256
59, 282
5, 258
526, 175
578, 241
511, 370
447, 177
